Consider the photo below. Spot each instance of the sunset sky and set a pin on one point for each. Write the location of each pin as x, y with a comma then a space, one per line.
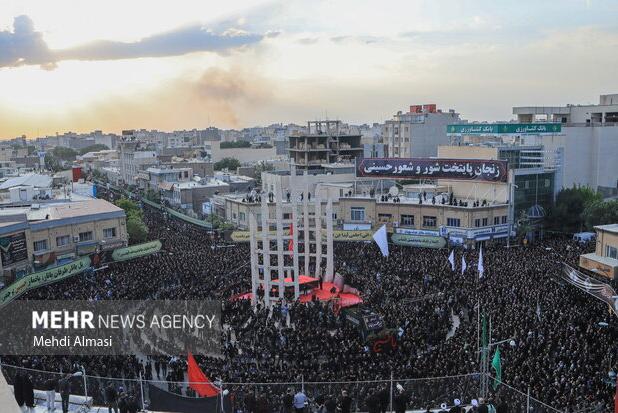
71, 65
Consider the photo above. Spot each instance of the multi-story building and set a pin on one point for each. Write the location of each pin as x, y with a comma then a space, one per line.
132, 160
587, 145
417, 133
533, 174
192, 195
604, 261
428, 215
325, 142
42, 235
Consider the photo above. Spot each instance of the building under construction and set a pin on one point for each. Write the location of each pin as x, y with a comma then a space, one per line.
325, 142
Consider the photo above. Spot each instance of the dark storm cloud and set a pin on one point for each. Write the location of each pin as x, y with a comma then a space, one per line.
25, 46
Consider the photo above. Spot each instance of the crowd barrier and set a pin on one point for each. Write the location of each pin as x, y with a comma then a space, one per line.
163, 395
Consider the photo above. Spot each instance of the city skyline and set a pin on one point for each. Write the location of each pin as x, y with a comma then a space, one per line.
242, 64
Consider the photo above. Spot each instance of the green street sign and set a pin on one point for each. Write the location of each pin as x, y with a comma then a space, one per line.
504, 129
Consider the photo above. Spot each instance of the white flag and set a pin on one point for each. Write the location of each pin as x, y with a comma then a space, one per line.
480, 266
451, 259
463, 265
380, 238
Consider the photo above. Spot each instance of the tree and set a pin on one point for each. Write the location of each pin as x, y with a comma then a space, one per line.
567, 213
524, 226
52, 163
138, 231
93, 148
230, 164
130, 208
153, 196
600, 213
64, 153
236, 144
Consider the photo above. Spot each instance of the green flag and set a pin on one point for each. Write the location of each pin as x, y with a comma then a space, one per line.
497, 365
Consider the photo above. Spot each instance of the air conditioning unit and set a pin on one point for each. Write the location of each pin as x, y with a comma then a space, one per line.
75, 239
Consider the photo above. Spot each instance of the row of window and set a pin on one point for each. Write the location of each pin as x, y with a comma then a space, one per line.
64, 240
358, 214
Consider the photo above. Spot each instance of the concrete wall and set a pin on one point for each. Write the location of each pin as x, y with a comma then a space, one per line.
492, 192
244, 155
589, 156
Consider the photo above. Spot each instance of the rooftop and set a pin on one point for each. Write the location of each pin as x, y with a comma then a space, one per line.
38, 212
35, 180
613, 228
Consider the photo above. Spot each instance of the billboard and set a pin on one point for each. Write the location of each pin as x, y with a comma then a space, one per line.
13, 249
428, 168
504, 128
420, 241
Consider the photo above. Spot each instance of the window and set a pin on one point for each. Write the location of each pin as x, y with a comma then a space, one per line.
527, 184
233, 215
85, 236
429, 221
547, 183
496, 220
453, 222
485, 222
109, 232
40, 245
384, 217
611, 252
287, 215
407, 220
505, 219
241, 216
477, 222
357, 213
63, 240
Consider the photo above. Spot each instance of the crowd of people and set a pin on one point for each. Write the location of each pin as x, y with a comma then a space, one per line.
560, 352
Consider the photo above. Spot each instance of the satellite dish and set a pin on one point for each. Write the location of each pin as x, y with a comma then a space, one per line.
394, 191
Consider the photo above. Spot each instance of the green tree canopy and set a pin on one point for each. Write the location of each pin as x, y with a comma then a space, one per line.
93, 148
567, 214
63, 153
138, 231
230, 164
130, 207
236, 144
601, 213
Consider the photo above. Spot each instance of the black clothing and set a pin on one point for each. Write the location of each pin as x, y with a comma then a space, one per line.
18, 388
400, 403
28, 391
288, 401
345, 404
331, 405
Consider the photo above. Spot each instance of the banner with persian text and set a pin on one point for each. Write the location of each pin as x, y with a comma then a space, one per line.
136, 251
428, 168
504, 129
41, 278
